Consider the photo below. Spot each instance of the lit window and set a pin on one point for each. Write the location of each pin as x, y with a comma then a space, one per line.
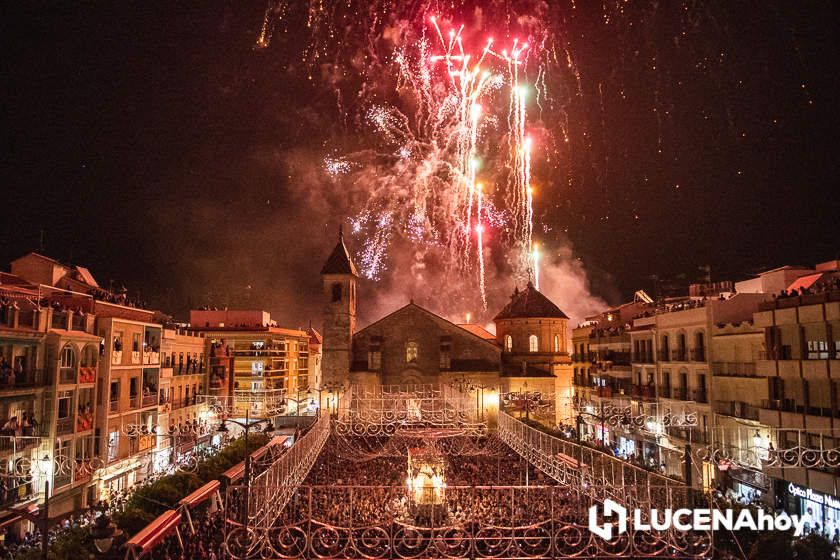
533, 343
411, 352
508, 343
556, 343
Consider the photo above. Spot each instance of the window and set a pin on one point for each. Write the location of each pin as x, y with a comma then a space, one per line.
336, 292
375, 354
533, 343
817, 349
67, 365
65, 404
135, 342
556, 343
257, 368
411, 350
445, 352
118, 341
508, 343
68, 357
113, 445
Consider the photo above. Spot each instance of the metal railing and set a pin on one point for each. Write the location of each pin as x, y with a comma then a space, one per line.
287, 472
571, 463
738, 409
697, 354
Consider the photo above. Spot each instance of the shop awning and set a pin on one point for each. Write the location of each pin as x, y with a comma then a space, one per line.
200, 495
9, 519
235, 472
151, 535
804, 282
570, 461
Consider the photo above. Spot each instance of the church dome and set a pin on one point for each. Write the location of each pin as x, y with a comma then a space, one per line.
530, 303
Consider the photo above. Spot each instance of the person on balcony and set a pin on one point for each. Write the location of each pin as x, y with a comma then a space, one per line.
11, 427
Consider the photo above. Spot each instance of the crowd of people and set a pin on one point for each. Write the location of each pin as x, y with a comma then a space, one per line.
10, 374
348, 492
12, 545
25, 426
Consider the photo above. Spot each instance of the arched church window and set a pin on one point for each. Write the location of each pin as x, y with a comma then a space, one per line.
336, 292
411, 350
556, 343
508, 343
533, 343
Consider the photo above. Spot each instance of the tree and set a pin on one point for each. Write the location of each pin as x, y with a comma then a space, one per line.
773, 545
813, 547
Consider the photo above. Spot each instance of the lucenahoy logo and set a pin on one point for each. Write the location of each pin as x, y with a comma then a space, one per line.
685, 519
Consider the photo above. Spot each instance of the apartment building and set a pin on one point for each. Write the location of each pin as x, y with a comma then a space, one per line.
254, 363
800, 360
182, 414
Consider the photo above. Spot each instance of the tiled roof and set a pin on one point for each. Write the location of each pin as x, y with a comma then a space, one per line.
477, 330
530, 303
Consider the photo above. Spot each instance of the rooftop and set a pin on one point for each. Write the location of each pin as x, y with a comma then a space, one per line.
339, 261
528, 303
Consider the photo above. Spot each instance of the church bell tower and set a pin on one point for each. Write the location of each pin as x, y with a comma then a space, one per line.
340, 277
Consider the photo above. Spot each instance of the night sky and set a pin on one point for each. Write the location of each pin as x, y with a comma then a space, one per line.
158, 147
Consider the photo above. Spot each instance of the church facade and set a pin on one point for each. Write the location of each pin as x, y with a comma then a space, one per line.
414, 346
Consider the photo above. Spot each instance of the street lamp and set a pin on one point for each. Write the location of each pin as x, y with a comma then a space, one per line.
222, 429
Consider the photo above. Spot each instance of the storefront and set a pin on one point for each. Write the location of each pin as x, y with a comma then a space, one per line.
821, 511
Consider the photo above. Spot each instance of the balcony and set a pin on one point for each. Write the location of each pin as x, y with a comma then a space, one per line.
87, 374
643, 391
784, 352
114, 406
59, 320
700, 396
642, 358
135, 357
734, 369
15, 493
84, 422
64, 426
665, 392
78, 322
678, 355
604, 392
116, 357
664, 356
11, 380
149, 400
697, 354
151, 358
83, 469
737, 409
67, 376
134, 401
679, 393
16, 444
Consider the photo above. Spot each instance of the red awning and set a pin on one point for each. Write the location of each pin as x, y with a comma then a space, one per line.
235, 472
570, 461
154, 532
9, 519
804, 282
200, 495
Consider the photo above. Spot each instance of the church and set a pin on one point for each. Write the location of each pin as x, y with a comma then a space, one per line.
414, 346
